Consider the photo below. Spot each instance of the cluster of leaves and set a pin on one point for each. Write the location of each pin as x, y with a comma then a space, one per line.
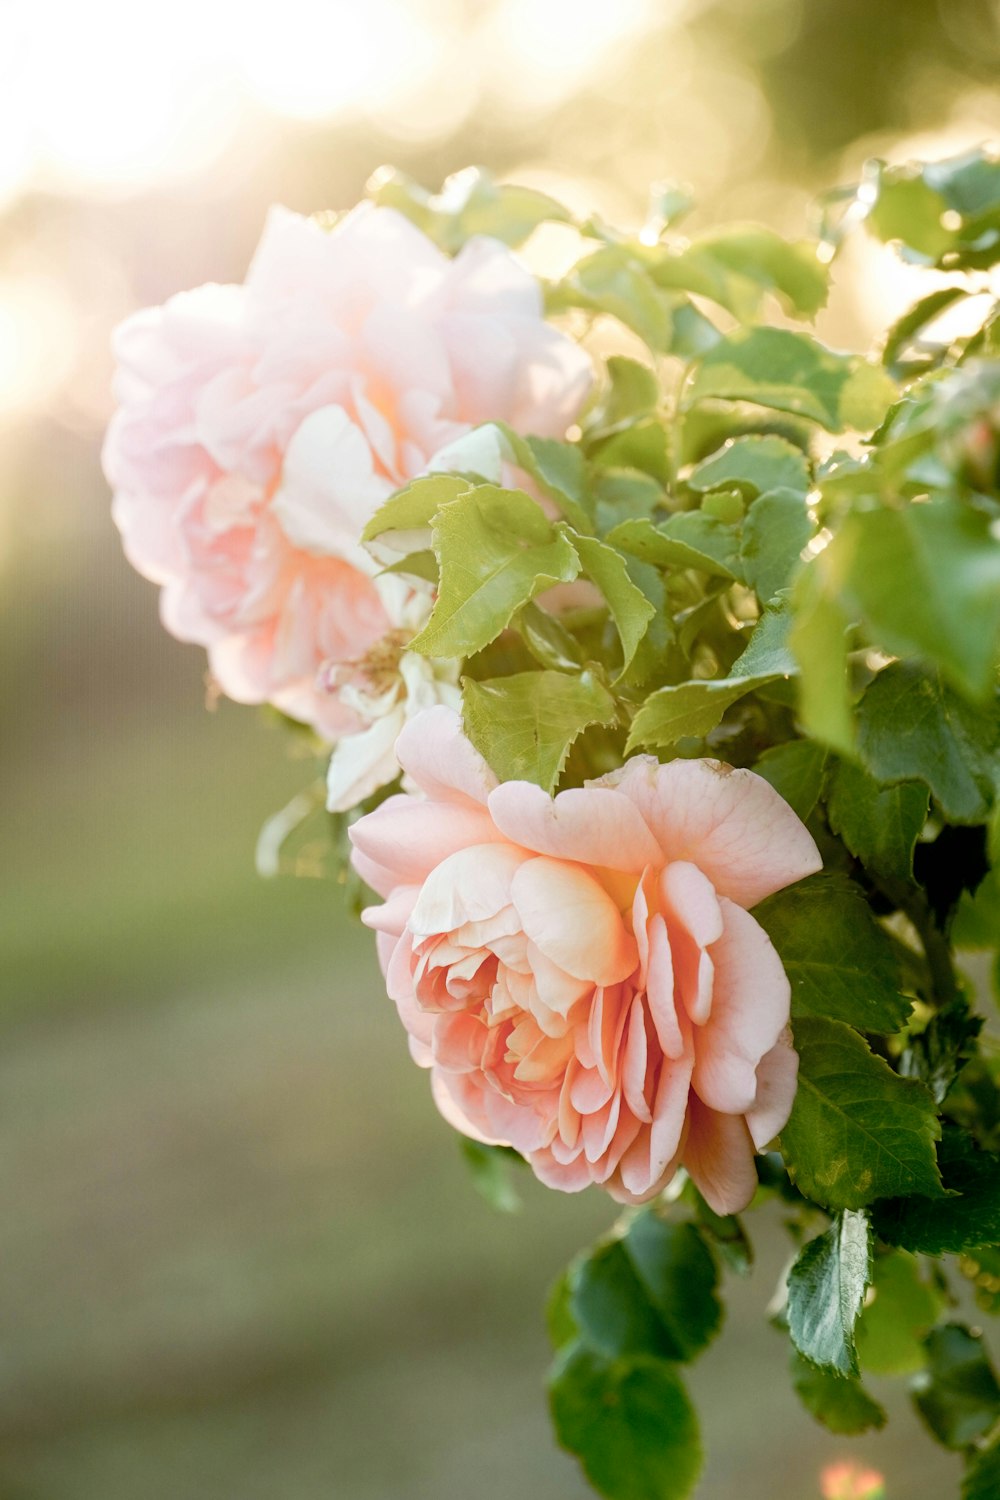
762, 548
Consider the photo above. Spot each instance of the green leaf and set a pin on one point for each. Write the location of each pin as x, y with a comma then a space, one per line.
650, 1292
489, 1167
469, 203
548, 640
411, 510
642, 445
857, 1131
926, 580
818, 642
695, 708
689, 709
900, 1310
977, 921
879, 824
912, 727
982, 1479
777, 527
939, 1226
797, 771
633, 391
793, 372
826, 1291
842, 1405
735, 265
915, 320
678, 1277
726, 1232
767, 651
630, 609
558, 469
839, 961
957, 1395
944, 213
629, 1422
612, 281
525, 724
624, 495
756, 463
690, 539
496, 550
559, 1320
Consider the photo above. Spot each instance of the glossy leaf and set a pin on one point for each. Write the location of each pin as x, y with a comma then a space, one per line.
857, 1131
797, 770
879, 824
650, 1292
969, 1217
911, 726
826, 1291
839, 961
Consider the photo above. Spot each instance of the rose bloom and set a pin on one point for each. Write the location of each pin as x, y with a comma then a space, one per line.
581, 973
387, 686
260, 426
849, 1481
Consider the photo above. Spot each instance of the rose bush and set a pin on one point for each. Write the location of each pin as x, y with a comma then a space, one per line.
581, 973
261, 425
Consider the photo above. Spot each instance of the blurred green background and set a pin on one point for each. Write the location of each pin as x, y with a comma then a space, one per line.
239, 1253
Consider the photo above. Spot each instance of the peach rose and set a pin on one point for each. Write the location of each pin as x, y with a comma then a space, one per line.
581, 973
260, 426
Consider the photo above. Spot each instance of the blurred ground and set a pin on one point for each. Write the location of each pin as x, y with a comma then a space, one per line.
239, 1254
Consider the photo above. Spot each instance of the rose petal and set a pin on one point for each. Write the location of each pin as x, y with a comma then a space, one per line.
593, 825
573, 921
718, 1154
777, 1076
749, 1012
436, 755
729, 823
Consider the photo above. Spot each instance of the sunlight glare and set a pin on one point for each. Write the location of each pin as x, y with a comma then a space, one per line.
37, 342
327, 59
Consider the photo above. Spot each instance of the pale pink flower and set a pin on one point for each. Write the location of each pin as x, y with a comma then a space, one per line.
849, 1481
260, 426
581, 973
384, 688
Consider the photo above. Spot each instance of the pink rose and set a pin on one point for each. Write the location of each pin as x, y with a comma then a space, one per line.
582, 974
262, 425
